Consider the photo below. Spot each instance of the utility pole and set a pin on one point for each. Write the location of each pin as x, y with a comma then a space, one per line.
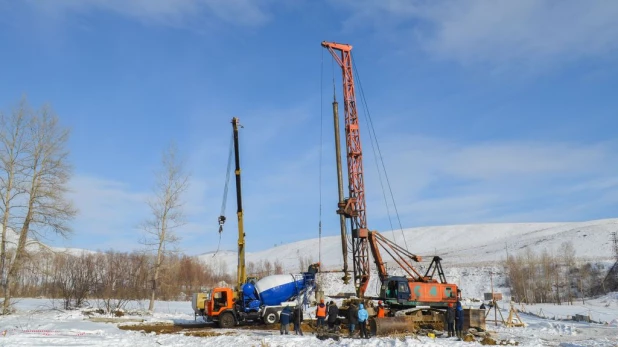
615, 267
506, 246
615, 242
493, 298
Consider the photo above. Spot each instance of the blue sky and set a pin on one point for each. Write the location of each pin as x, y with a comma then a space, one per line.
484, 111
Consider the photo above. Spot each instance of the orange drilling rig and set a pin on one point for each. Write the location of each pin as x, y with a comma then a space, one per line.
429, 290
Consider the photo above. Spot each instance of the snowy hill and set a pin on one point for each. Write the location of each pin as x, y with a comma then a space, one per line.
470, 252
456, 244
36, 246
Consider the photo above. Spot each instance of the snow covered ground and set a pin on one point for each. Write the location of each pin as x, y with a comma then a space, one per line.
471, 254
38, 322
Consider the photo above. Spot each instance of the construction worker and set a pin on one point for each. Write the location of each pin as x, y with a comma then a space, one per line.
320, 313
314, 268
459, 320
298, 319
450, 319
380, 310
333, 311
352, 318
362, 321
284, 319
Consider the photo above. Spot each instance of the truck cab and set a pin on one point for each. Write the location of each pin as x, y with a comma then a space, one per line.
221, 307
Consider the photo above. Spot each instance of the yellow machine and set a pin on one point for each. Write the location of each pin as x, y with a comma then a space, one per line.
200, 300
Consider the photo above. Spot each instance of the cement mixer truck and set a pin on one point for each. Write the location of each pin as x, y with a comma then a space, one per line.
259, 302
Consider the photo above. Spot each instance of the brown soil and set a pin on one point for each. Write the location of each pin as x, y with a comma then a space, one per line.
204, 330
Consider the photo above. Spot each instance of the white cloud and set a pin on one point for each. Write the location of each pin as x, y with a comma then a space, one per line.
179, 13
504, 159
106, 207
111, 212
436, 181
521, 32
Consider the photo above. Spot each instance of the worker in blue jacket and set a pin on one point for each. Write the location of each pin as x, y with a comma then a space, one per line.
284, 319
362, 321
459, 320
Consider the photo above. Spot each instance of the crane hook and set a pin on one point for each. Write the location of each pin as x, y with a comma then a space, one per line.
221, 222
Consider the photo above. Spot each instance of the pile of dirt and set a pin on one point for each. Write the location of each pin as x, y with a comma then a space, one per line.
488, 341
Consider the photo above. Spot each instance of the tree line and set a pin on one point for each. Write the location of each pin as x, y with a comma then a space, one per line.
110, 279
544, 277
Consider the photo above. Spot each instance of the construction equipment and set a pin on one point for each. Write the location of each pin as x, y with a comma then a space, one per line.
259, 302
241, 273
252, 300
199, 300
399, 293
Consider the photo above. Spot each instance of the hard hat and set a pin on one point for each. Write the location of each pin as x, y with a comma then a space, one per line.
450, 304
321, 301
379, 302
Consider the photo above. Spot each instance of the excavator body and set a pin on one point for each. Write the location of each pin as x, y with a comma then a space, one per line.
399, 292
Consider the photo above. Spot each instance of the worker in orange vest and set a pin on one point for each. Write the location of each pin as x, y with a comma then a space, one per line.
380, 310
320, 313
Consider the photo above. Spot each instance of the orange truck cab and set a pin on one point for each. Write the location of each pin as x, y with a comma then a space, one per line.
223, 310
220, 307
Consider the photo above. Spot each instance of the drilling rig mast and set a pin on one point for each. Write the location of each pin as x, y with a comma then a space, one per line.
354, 206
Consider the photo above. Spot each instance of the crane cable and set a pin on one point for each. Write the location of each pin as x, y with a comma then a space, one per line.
221, 218
374, 137
320, 160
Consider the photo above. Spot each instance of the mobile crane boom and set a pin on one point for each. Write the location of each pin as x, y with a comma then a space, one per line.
241, 272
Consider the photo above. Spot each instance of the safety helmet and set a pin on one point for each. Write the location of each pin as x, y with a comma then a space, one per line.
379, 302
450, 304
321, 301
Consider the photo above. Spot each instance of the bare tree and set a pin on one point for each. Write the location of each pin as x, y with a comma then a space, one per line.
12, 151
122, 277
45, 176
75, 278
567, 257
166, 207
278, 267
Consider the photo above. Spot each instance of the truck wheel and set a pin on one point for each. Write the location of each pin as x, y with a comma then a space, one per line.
226, 320
271, 317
